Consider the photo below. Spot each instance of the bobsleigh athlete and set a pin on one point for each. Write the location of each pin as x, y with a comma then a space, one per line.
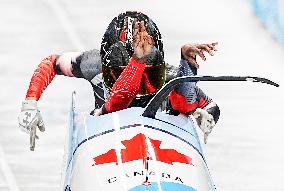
127, 72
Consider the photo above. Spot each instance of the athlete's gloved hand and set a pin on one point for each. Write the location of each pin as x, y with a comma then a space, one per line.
205, 122
190, 51
30, 119
142, 42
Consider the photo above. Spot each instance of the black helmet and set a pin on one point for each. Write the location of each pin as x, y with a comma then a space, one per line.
116, 50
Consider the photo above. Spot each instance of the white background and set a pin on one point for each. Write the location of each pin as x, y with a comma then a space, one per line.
245, 150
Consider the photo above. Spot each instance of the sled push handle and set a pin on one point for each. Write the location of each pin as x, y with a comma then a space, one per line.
154, 104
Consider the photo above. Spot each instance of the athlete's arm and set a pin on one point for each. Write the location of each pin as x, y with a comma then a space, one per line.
42, 76
73, 64
186, 97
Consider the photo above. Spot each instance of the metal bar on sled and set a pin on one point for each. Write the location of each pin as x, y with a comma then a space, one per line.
163, 93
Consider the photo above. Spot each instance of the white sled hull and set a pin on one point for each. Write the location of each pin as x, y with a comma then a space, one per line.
125, 151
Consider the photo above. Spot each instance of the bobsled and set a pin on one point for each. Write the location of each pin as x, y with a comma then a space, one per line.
137, 149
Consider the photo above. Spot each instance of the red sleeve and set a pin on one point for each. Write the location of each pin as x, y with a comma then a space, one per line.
179, 103
126, 87
42, 77
147, 84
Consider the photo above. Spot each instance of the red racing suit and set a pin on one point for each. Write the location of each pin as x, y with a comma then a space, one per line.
185, 98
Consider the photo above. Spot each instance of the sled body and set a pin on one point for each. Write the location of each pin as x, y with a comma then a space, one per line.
126, 151
139, 149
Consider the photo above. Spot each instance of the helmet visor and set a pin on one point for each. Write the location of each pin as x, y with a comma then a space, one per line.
153, 78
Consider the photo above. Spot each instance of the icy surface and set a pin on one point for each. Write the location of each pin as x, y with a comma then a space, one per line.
244, 151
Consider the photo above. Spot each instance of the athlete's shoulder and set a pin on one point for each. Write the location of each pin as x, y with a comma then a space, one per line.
88, 64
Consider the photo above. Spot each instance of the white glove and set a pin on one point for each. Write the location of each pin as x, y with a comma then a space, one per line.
205, 122
30, 119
